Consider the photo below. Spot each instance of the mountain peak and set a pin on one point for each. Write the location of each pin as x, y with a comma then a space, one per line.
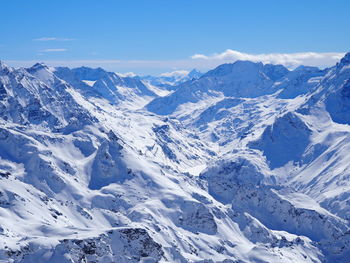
275, 72
2, 65
99, 69
5, 69
306, 68
39, 66
246, 62
246, 68
229, 68
86, 73
194, 73
345, 59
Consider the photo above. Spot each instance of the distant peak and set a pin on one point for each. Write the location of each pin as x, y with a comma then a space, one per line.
39, 66
345, 59
194, 73
3, 66
89, 70
275, 72
246, 62
238, 66
306, 68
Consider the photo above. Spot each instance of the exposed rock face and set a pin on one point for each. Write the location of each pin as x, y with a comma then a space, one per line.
193, 216
284, 141
117, 245
226, 176
108, 167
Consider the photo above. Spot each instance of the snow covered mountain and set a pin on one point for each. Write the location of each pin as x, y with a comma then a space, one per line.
170, 80
247, 163
240, 79
99, 83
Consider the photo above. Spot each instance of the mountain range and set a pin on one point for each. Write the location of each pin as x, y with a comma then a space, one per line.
247, 162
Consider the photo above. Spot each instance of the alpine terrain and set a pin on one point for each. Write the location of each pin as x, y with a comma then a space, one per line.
248, 162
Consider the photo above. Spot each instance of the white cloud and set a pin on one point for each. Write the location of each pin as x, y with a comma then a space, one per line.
290, 60
45, 39
126, 74
176, 73
53, 39
54, 50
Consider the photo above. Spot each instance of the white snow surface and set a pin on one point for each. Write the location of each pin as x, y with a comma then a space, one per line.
247, 163
89, 82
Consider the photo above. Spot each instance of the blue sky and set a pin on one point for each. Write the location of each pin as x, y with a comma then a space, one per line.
160, 35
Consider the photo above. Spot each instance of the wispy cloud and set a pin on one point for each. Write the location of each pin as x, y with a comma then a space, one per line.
290, 60
53, 39
53, 50
175, 73
127, 74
